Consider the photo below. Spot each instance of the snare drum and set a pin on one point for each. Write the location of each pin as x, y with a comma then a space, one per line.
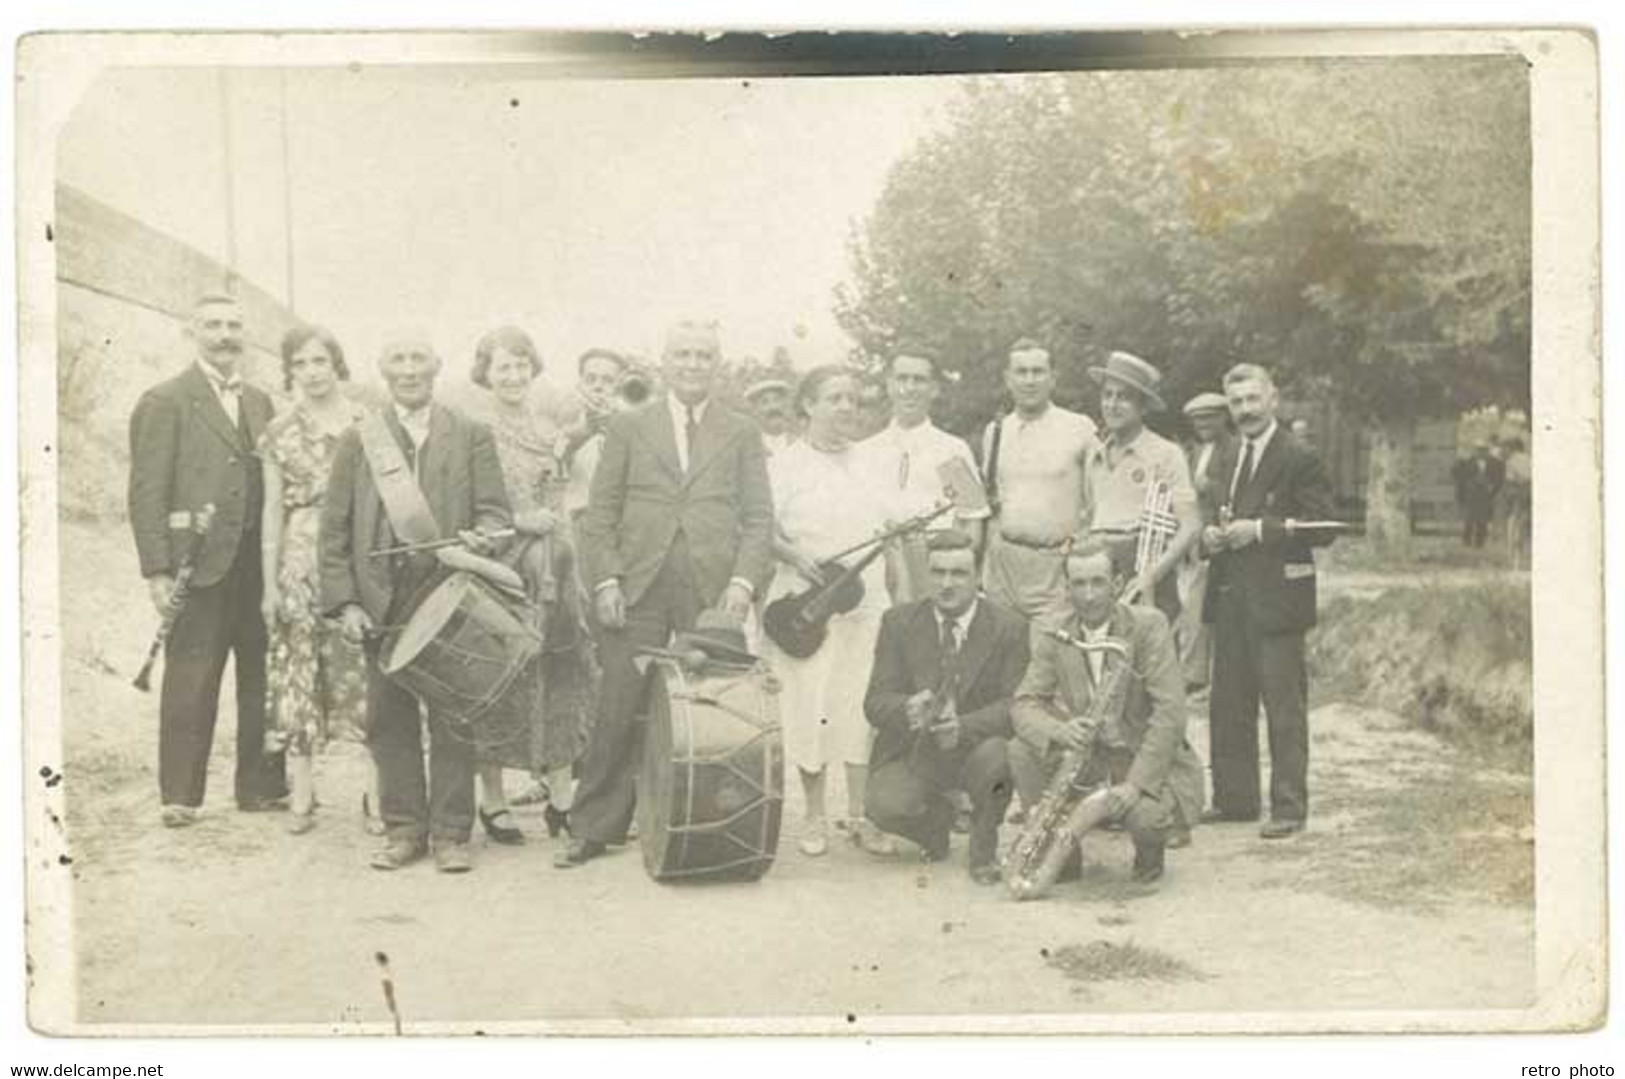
463, 648
711, 793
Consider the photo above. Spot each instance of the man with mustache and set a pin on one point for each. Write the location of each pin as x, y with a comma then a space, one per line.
192, 444
442, 478
1261, 601
769, 402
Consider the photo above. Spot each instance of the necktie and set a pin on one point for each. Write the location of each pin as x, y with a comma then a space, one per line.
1245, 472
691, 431
949, 652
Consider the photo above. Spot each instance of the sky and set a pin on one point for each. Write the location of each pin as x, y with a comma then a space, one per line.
589, 212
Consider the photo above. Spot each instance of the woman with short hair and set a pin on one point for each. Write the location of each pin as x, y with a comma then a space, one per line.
560, 685
824, 501
316, 680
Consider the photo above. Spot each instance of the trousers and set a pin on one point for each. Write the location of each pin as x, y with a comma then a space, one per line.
1249, 666
606, 788
219, 621
910, 796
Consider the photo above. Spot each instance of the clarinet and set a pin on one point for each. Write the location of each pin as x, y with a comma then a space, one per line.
202, 521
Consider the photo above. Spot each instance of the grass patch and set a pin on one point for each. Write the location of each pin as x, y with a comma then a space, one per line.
1353, 554
1454, 661
1420, 846
1103, 961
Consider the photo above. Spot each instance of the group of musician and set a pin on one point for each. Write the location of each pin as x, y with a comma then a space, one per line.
959, 666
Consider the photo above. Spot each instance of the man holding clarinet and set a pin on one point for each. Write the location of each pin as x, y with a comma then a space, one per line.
192, 442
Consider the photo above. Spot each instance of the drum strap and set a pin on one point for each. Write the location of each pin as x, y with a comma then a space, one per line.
408, 511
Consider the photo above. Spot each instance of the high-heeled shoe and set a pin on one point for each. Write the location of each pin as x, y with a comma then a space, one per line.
558, 820
501, 833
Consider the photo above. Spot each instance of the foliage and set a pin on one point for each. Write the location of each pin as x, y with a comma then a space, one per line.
1455, 660
1360, 227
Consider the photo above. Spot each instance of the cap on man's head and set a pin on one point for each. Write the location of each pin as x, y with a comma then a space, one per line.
1204, 403
1129, 370
766, 385
949, 539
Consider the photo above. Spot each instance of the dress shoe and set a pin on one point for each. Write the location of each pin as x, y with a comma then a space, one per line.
177, 816
452, 857
1222, 816
500, 827
578, 852
1280, 829
985, 874
1148, 863
263, 805
1179, 838
300, 823
398, 854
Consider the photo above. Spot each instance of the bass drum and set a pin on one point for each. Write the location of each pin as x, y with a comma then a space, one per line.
711, 793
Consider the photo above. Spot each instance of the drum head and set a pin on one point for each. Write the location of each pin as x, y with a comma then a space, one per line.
426, 621
711, 791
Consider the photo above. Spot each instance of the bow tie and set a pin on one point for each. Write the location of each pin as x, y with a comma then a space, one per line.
229, 384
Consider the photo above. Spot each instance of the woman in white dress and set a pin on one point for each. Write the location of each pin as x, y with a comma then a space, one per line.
824, 500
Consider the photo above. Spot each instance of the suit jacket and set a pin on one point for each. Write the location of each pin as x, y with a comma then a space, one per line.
1276, 576
907, 660
185, 452
641, 499
461, 479
1059, 684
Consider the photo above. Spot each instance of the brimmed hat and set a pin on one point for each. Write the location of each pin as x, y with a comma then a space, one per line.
718, 635
758, 388
1134, 373
1206, 402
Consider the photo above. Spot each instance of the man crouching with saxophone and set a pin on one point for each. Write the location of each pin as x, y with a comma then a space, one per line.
1100, 725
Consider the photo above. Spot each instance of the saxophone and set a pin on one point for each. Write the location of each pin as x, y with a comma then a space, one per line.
1068, 809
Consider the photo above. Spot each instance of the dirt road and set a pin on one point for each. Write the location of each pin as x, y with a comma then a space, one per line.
1411, 890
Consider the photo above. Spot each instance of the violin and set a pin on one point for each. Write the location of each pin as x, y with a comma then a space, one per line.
799, 622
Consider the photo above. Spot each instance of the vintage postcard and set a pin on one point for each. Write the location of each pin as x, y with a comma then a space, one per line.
818, 533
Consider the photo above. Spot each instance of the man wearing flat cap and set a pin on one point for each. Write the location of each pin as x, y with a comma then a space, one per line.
1137, 480
769, 402
1209, 418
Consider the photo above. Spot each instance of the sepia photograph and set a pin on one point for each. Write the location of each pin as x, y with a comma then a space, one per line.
857, 533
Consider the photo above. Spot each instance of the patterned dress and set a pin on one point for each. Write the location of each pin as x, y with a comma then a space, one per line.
552, 732
317, 680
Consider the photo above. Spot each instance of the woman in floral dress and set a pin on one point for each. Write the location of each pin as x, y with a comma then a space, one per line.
553, 733
317, 682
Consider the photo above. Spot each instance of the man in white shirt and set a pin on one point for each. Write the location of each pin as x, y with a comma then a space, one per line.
1035, 461
910, 453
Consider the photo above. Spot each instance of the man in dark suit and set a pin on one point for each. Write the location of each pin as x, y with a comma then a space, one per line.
1260, 601
680, 518
454, 468
192, 443
939, 700
1478, 481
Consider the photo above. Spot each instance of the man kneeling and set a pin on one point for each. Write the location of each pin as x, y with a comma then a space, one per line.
939, 700
1137, 748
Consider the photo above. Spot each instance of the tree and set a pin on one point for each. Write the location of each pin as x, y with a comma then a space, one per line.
1361, 228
